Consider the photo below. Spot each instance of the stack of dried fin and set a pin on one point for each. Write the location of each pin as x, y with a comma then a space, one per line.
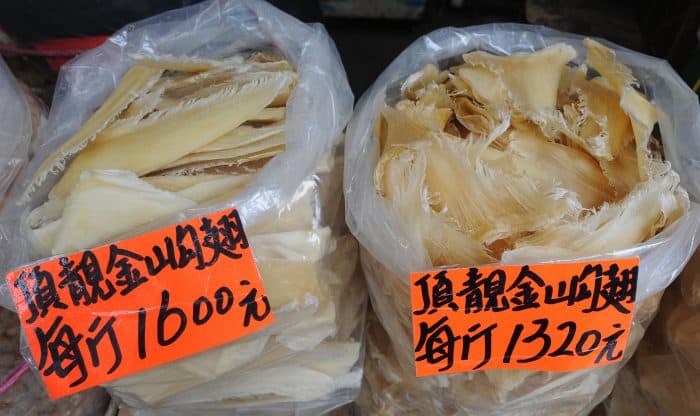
174, 134
513, 158
179, 133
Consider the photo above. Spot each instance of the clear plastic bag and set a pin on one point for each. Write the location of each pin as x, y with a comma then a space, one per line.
19, 117
663, 377
25, 395
309, 360
391, 249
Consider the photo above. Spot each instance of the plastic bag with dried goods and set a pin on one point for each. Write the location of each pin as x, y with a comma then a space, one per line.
222, 104
21, 391
514, 144
663, 377
21, 115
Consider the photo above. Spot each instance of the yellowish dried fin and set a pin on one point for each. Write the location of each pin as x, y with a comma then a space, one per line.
475, 118
242, 163
640, 111
622, 172
176, 183
571, 168
531, 80
431, 117
160, 142
243, 136
135, 82
169, 107
268, 115
105, 204
240, 152
220, 189
400, 178
603, 115
142, 106
177, 63
42, 238
415, 83
470, 203
402, 129
435, 95
483, 84
650, 207
197, 169
643, 116
521, 204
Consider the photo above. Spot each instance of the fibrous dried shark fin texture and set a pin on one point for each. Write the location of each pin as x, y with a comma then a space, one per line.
180, 63
160, 142
530, 80
643, 115
541, 160
134, 83
242, 136
639, 216
104, 204
261, 149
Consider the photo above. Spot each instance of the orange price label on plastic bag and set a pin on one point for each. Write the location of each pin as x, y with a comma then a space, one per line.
548, 317
101, 314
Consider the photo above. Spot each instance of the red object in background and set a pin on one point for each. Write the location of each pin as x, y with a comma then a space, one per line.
57, 51
69, 46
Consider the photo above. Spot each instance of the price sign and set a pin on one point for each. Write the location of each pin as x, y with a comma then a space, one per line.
105, 313
550, 317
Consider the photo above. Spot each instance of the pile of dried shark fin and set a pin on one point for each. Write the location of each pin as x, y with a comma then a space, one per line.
178, 133
514, 158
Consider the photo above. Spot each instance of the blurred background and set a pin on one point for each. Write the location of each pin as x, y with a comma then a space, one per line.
37, 36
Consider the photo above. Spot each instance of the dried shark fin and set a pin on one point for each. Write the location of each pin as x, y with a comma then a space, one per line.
483, 84
531, 80
648, 208
177, 63
135, 82
521, 204
176, 183
268, 115
248, 163
643, 115
414, 85
244, 153
571, 168
243, 136
95, 209
157, 144
220, 189
400, 128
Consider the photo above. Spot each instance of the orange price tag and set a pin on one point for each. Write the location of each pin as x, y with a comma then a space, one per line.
105, 313
549, 317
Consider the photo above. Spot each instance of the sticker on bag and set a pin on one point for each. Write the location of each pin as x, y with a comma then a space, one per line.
105, 313
548, 317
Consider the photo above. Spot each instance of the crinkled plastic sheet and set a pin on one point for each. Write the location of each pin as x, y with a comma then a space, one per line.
663, 378
15, 128
310, 360
389, 254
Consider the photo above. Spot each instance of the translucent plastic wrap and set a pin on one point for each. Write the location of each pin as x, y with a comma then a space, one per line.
25, 395
663, 377
21, 393
405, 221
222, 104
20, 115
